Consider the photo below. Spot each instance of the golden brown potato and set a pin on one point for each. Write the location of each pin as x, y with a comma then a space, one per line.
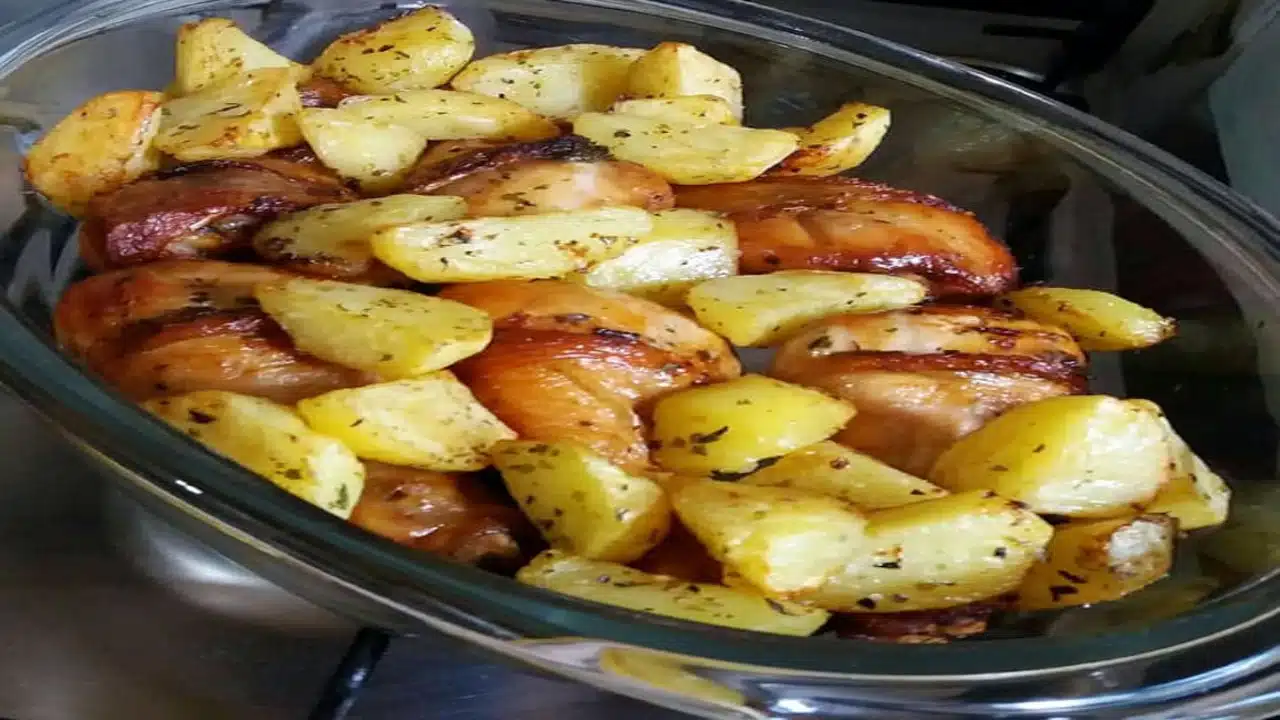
1092, 562
453, 115
376, 154
675, 70
839, 142
695, 109
213, 50
1098, 320
833, 469
1195, 496
421, 49
245, 115
558, 82
101, 145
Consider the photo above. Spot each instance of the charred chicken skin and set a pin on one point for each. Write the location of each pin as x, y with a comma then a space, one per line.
852, 225
569, 362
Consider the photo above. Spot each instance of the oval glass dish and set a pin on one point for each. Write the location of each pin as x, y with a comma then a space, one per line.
1079, 203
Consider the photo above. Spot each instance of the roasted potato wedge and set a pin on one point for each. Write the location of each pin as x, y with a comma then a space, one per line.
333, 240
394, 333
245, 115
935, 554
782, 541
1098, 320
687, 153
101, 145
453, 115
213, 50
1097, 561
582, 503
1195, 496
763, 310
558, 82
684, 248
839, 142
432, 422
272, 441
621, 586
675, 69
1081, 456
415, 51
373, 153
735, 427
833, 469
528, 247
694, 109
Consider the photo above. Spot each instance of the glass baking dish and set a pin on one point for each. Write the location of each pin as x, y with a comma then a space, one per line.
1080, 203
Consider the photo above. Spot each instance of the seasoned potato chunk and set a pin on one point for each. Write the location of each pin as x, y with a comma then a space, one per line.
684, 248
695, 109
779, 540
735, 427
373, 153
687, 153
524, 247
394, 333
419, 50
1195, 496
558, 82
432, 422
833, 469
333, 240
1080, 456
99, 146
838, 142
675, 69
762, 310
213, 50
582, 503
1092, 562
272, 441
621, 586
243, 116
936, 554
453, 115
1098, 320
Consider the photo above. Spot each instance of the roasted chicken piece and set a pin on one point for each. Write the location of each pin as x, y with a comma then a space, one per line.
448, 514
790, 223
560, 174
200, 210
569, 362
925, 377
921, 627
184, 325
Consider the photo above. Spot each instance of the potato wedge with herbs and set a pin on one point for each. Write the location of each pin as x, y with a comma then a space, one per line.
1081, 456
1195, 496
213, 50
781, 541
453, 115
684, 248
675, 69
762, 310
245, 115
582, 503
687, 153
839, 142
559, 82
432, 422
1093, 562
524, 247
101, 145
695, 109
393, 333
1098, 320
832, 469
333, 240
272, 441
621, 586
373, 153
936, 554
419, 50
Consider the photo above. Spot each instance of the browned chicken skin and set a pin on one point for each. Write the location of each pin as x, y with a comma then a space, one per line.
560, 174
858, 226
184, 325
568, 362
926, 377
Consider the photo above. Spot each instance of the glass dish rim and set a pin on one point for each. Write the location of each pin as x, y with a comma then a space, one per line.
114, 428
